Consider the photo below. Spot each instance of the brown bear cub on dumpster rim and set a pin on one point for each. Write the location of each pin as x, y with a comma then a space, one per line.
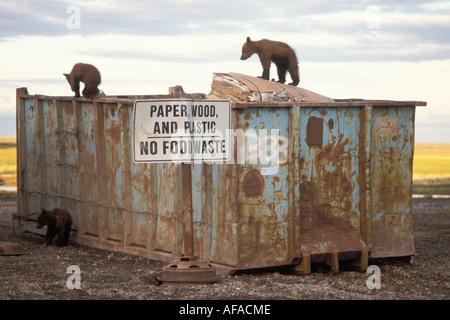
89, 75
58, 222
269, 51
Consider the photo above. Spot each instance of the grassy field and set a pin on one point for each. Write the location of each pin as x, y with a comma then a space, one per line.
7, 158
8, 161
431, 171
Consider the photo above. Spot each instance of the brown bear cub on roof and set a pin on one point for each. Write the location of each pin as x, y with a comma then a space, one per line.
89, 75
58, 222
277, 52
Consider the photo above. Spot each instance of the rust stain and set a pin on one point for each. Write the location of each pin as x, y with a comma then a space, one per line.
115, 132
248, 116
386, 127
253, 183
68, 108
331, 124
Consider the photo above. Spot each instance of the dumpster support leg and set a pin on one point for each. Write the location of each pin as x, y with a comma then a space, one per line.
363, 261
333, 261
304, 267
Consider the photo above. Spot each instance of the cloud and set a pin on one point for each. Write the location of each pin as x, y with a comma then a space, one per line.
155, 17
433, 128
31, 18
346, 48
318, 30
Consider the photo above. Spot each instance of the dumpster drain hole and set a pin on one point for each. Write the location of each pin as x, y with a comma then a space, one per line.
193, 266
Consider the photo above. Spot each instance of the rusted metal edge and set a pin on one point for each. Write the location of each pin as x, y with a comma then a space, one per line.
342, 103
365, 175
23, 93
124, 99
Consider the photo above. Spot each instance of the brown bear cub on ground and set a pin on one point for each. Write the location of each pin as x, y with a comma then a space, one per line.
89, 75
58, 221
273, 51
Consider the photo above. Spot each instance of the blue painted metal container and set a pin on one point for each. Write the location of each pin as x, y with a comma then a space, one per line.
333, 182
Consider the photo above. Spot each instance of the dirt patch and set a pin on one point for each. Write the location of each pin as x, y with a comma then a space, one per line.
42, 274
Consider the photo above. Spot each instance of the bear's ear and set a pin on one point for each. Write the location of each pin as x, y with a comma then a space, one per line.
43, 211
248, 40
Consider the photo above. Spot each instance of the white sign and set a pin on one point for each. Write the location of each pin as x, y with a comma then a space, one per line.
181, 130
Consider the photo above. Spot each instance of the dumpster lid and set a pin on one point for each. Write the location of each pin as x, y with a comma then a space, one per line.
244, 88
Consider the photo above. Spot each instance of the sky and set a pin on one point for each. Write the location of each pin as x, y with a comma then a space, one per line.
387, 50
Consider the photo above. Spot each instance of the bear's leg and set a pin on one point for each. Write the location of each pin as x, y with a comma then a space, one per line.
265, 74
65, 239
59, 239
266, 68
90, 92
76, 89
51, 232
295, 81
86, 93
62, 230
293, 71
281, 74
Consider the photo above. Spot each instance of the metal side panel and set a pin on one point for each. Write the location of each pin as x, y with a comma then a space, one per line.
49, 155
170, 222
28, 155
264, 216
330, 215
222, 235
69, 186
391, 157
88, 178
112, 172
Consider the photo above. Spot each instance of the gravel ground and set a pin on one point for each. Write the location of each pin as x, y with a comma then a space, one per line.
42, 274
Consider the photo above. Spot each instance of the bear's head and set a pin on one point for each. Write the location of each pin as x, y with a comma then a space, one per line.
42, 219
67, 75
248, 48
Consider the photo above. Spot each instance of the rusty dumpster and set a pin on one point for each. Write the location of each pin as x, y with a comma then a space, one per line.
340, 187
